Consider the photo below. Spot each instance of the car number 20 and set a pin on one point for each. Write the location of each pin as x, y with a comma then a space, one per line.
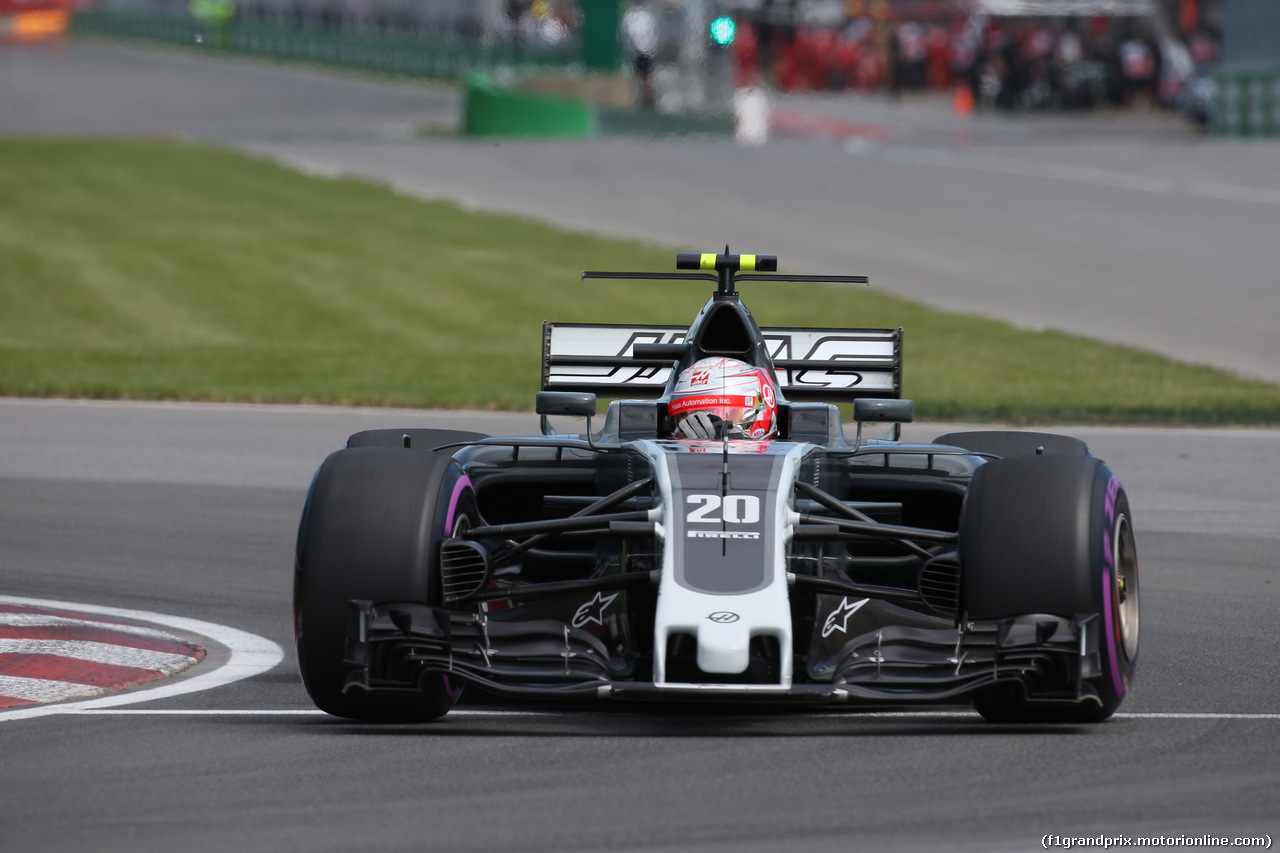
732, 509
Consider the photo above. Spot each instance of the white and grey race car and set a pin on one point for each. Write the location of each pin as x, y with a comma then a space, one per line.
634, 562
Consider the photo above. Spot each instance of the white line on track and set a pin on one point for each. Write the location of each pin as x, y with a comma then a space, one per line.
1192, 715
79, 708
249, 655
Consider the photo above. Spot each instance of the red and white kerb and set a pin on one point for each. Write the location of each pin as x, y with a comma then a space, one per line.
52, 655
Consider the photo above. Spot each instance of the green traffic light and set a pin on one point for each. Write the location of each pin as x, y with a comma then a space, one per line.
723, 31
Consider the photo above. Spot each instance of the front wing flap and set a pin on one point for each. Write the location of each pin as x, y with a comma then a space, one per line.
1051, 656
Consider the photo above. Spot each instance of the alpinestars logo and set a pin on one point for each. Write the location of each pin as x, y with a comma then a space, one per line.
593, 610
839, 618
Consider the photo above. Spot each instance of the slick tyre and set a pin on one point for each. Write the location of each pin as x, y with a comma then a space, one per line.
418, 439
1053, 534
371, 530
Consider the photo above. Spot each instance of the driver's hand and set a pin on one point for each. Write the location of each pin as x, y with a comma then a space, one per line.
700, 425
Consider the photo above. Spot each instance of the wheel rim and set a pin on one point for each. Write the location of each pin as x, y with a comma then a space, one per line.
460, 526
1125, 560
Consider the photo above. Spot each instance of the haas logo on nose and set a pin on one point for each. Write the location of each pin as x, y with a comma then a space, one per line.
724, 617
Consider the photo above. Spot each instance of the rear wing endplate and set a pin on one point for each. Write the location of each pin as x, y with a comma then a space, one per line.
812, 365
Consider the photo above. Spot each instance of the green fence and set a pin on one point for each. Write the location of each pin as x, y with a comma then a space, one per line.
1247, 103
390, 54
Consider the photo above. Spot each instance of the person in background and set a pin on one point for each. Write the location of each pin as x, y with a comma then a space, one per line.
640, 36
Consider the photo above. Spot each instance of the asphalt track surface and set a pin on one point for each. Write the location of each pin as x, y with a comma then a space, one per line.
190, 512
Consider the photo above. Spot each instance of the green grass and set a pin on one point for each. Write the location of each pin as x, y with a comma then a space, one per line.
159, 270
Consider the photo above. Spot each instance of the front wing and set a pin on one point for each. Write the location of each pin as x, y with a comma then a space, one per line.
392, 646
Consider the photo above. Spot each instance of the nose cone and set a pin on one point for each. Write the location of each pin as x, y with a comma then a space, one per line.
723, 645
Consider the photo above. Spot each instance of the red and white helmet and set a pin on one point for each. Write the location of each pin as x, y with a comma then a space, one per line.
731, 390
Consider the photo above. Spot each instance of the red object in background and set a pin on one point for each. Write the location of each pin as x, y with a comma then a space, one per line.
873, 67
823, 62
1190, 16
804, 55
937, 48
786, 68
746, 56
34, 20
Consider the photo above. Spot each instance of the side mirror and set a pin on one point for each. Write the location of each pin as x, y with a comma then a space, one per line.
575, 403
871, 410
579, 404
883, 411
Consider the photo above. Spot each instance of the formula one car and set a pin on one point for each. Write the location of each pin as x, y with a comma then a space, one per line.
720, 538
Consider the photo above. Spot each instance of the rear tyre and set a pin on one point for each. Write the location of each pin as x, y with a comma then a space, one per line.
1054, 535
1008, 443
371, 530
419, 439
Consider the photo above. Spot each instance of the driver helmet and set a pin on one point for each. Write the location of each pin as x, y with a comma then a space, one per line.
731, 390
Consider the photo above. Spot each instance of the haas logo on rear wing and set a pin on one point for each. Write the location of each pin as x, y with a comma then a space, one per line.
811, 365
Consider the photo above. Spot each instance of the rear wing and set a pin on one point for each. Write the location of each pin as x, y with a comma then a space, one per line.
811, 365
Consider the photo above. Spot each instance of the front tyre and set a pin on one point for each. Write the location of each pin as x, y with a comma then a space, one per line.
371, 530
1053, 534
